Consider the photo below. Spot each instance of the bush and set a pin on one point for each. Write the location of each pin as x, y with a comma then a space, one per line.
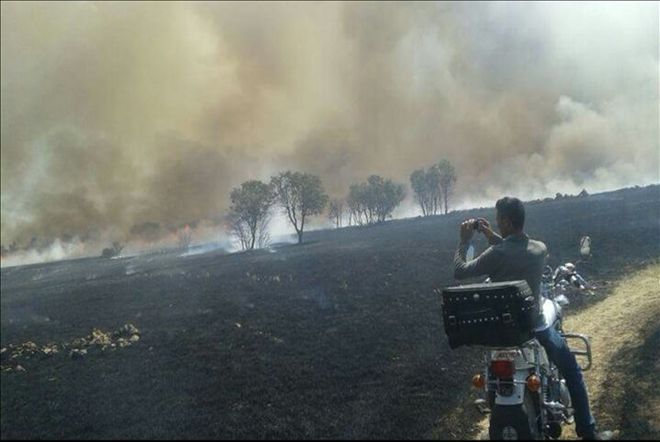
113, 251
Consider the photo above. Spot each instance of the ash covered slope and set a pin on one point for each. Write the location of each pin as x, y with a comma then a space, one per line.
341, 337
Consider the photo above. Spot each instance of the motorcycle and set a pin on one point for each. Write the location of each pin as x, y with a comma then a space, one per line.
522, 390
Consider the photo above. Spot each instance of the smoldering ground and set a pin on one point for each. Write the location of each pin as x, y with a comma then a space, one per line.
116, 114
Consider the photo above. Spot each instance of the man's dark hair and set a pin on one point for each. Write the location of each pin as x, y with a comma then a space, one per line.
511, 208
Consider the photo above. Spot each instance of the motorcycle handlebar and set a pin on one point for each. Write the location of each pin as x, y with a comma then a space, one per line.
575, 281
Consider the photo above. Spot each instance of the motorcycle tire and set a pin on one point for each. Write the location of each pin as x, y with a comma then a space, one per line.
514, 422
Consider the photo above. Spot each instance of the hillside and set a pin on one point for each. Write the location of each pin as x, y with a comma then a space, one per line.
341, 337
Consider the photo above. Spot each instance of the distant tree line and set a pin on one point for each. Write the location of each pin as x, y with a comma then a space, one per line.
300, 196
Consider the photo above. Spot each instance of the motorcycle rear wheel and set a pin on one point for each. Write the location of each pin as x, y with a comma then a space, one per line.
514, 422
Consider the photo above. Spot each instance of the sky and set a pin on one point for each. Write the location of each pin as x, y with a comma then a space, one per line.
119, 113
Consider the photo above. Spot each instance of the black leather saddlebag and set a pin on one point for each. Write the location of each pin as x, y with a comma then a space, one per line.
501, 314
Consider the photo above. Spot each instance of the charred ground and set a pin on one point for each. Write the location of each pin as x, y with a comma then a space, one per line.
338, 338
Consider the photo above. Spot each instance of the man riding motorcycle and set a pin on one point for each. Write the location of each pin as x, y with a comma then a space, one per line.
514, 256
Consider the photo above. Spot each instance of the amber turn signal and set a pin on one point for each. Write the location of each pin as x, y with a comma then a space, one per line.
478, 381
533, 383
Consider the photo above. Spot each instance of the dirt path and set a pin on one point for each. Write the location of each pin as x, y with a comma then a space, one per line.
625, 338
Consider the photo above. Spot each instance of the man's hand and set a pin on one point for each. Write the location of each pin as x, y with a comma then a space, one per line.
467, 230
484, 227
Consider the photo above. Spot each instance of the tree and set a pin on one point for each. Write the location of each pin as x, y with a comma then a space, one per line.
386, 196
375, 200
426, 185
448, 178
249, 213
239, 229
336, 211
184, 237
301, 195
358, 203
418, 184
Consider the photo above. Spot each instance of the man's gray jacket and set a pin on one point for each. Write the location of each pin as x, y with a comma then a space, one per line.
517, 257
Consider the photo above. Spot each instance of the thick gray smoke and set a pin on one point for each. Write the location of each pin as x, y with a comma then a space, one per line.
116, 114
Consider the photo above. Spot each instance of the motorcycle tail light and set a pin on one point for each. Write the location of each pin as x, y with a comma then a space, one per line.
478, 381
533, 383
502, 369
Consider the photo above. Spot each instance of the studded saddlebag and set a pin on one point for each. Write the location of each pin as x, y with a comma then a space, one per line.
501, 314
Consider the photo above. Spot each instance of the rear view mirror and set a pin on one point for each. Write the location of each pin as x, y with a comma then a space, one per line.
585, 246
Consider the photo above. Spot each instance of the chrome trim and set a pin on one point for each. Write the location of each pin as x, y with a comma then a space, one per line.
587, 353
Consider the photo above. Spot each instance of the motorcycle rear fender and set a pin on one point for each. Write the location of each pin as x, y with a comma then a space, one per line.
518, 395
523, 359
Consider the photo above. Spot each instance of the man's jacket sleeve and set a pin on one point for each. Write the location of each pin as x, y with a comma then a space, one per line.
485, 264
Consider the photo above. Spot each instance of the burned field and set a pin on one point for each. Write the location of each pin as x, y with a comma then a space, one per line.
338, 338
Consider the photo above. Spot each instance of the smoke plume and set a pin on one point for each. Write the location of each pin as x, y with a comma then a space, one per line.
121, 113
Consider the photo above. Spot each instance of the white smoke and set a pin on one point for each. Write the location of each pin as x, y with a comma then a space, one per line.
121, 113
